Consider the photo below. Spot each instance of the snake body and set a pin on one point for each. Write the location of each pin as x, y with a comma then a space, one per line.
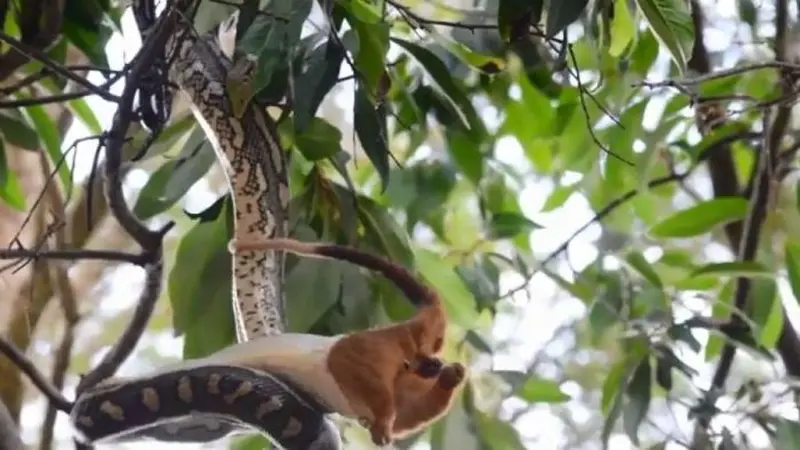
222, 399
255, 167
225, 398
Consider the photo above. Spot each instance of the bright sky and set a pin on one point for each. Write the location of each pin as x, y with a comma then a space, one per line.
528, 325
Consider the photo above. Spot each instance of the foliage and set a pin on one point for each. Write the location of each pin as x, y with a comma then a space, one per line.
466, 139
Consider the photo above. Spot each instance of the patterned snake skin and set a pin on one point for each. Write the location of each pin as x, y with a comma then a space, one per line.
206, 403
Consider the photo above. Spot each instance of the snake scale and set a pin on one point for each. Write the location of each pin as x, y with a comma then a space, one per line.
203, 403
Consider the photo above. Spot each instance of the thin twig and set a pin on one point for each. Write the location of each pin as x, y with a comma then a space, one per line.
410, 14
73, 255
681, 84
55, 67
586, 110
69, 305
45, 100
28, 368
599, 216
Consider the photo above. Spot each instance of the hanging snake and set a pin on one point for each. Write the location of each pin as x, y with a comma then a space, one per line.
205, 402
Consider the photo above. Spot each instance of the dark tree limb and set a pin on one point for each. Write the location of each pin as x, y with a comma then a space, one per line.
743, 235
149, 240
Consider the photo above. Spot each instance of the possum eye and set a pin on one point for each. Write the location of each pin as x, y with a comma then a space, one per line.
406, 364
437, 344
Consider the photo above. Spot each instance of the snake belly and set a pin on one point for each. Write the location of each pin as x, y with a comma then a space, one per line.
230, 397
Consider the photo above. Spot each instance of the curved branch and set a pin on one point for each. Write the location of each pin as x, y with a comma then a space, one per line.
130, 337
149, 240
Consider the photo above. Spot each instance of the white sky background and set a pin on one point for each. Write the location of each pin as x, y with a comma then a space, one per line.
528, 325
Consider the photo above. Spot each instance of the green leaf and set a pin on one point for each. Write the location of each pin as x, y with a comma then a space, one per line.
622, 28
639, 393
17, 132
79, 108
510, 12
735, 269
51, 138
539, 390
766, 312
272, 37
444, 80
199, 287
313, 285
792, 256
606, 309
701, 218
458, 300
496, 434
170, 182
255, 442
10, 189
612, 384
559, 196
319, 140
664, 374
91, 42
748, 12
168, 137
466, 153
363, 11
382, 230
373, 43
787, 433
612, 398
509, 224
797, 195
641, 265
316, 81
671, 23
478, 342
370, 125
485, 63
563, 13
190, 168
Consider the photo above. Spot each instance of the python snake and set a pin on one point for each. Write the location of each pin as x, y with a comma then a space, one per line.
187, 403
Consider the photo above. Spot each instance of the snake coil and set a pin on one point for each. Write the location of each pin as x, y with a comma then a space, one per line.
226, 398
208, 402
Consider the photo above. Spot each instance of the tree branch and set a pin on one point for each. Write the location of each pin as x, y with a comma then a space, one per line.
150, 241
73, 255
57, 68
69, 306
744, 235
28, 368
598, 217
